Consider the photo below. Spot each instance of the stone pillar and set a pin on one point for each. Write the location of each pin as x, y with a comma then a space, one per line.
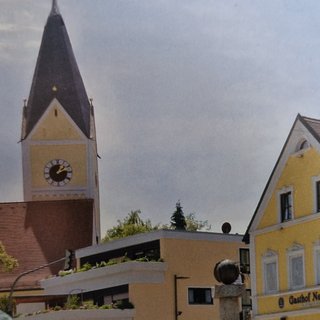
229, 298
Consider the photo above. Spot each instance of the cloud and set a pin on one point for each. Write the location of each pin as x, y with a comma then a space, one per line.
193, 99
191, 89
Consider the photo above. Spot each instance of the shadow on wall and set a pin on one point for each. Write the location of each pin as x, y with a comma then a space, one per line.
57, 226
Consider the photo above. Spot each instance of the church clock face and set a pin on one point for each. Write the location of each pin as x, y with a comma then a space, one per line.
58, 172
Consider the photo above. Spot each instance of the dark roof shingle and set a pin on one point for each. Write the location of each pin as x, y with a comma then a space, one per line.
57, 67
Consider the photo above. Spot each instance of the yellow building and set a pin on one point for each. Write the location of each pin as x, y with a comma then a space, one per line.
284, 231
165, 274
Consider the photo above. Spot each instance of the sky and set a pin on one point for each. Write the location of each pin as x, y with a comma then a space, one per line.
193, 99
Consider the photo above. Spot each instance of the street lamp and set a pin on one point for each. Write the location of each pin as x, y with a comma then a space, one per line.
176, 278
10, 298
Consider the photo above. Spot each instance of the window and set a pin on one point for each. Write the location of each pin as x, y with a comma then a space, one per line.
270, 272
286, 206
244, 260
303, 144
317, 263
270, 276
317, 195
296, 272
200, 296
246, 299
296, 267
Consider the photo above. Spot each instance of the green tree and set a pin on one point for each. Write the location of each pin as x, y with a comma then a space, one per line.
178, 220
7, 263
131, 224
196, 225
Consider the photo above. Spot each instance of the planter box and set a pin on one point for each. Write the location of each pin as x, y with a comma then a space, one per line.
106, 277
84, 315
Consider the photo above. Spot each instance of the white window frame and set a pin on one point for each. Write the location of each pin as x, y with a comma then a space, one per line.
296, 251
270, 257
316, 262
212, 292
280, 193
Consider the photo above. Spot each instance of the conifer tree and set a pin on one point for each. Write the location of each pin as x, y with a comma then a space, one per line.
178, 220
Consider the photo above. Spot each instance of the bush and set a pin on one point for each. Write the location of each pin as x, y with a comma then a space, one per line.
142, 259
63, 273
4, 304
57, 308
73, 302
87, 266
88, 305
123, 304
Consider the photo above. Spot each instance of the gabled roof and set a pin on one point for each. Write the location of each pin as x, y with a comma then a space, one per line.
57, 76
313, 127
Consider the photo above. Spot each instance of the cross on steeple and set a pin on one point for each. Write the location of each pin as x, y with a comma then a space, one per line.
55, 8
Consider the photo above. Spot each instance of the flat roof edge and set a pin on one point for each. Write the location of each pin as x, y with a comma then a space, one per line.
157, 235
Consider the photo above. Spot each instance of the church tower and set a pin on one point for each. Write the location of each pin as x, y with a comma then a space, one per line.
59, 148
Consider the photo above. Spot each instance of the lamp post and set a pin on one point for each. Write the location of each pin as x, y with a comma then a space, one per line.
10, 298
176, 278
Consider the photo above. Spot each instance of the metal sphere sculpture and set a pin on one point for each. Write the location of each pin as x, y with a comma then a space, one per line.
226, 271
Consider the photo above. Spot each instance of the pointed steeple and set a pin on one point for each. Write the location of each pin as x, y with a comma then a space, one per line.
55, 8
57, 76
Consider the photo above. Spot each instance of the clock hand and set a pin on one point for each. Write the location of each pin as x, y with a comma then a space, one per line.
61, 169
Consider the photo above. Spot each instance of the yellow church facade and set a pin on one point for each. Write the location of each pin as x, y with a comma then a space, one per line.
56, 137
284, 231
